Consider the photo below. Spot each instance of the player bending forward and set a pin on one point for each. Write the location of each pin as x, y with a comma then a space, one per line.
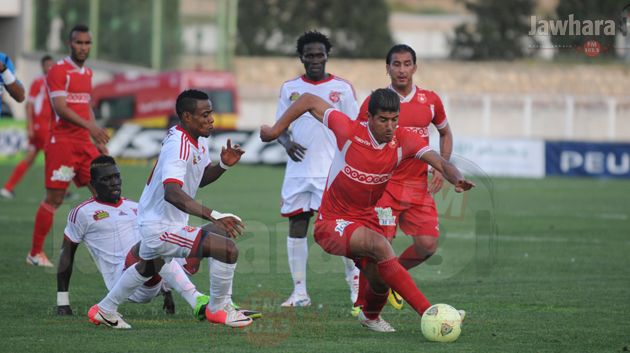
167, 201
106, 224
348, 223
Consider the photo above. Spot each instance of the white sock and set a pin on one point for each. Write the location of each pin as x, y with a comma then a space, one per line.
221, 277
124, 287
210, 260
352, 275
174, 275
297, 251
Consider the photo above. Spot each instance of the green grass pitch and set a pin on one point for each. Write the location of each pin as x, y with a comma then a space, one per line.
539, 265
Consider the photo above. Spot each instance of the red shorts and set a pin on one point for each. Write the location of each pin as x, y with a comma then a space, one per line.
334, 235
40, 139
69, 161
413, 210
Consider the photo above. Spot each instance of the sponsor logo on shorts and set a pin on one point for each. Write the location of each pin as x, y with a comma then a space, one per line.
341, 226
98, 215
385, 216
64, 173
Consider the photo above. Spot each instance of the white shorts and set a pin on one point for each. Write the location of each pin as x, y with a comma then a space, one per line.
168, 242
301, 195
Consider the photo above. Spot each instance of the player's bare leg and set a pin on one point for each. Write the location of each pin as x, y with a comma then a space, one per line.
365, 242
423, 247
43, 222
297, 253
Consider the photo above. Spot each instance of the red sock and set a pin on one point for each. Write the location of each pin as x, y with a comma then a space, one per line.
363, 287
399, 280
17, 175
409, 259
43, 222
374, 303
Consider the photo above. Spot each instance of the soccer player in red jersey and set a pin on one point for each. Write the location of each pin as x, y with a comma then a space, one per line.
349, 223
408, 193
70, 150
38, 114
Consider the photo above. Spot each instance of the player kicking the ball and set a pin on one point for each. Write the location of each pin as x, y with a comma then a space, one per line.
348, 223
167, 201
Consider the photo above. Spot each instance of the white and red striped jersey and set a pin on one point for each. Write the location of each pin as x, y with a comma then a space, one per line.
418, 110
182, 160
362, 167
307, 131
108, 231
66, 79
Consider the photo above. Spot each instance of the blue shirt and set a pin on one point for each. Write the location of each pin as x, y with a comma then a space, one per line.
6, 60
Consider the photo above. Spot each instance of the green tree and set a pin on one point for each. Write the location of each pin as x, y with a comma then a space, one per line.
499, 32
356, 28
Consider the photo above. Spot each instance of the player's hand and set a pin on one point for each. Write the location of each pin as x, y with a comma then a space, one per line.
295, 151
64, 310
464, 185
102, 148
267, 134
231, 225
230, 155
437, 180
99, 135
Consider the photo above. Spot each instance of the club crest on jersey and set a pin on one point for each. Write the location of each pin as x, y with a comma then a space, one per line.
135, 211
64, 173
341, 226
98, 215
195, 159
422, 98
294, 96
189, 229
385, 216
334, 96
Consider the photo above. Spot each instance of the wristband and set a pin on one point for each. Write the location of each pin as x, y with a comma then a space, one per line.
63, 298
223, 165
8, 77
218, 215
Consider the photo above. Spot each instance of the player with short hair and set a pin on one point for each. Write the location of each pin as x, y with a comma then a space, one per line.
165, 206
38, 116
348, 223
106, 223
310, 147
408, 193
70, 149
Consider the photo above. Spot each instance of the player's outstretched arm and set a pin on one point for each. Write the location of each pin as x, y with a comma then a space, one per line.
306, 103
64, 272
295, 151
450, 172
230, 155
174, 195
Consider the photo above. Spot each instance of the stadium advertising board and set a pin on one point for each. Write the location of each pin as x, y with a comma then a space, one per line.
608, 160
501, 157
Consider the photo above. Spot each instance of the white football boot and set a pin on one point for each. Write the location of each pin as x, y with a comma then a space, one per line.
378, 325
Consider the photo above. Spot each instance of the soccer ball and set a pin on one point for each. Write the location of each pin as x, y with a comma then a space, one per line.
441, 323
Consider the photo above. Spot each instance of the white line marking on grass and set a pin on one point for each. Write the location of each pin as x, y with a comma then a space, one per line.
525, 238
